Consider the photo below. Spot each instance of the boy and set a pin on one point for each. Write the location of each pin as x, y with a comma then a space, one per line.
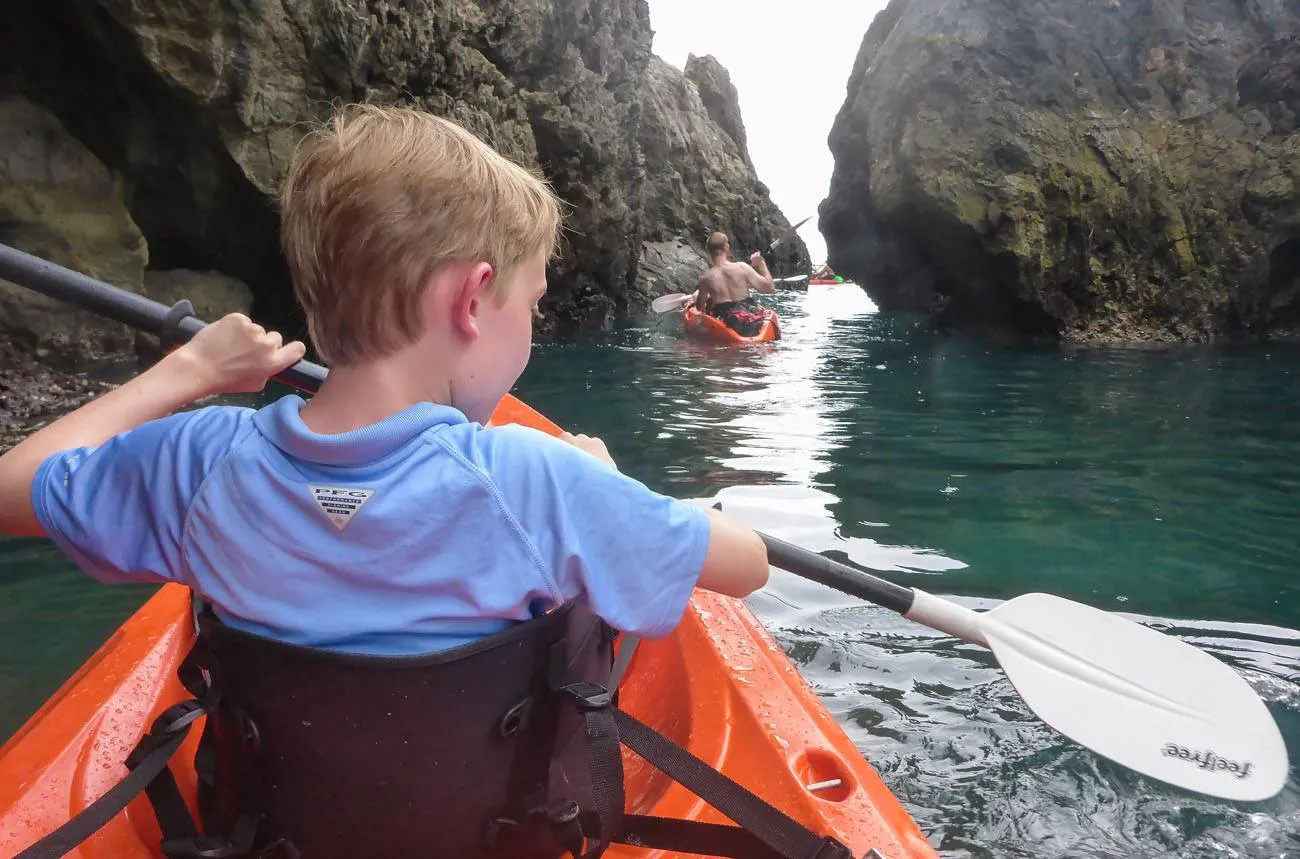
382, 517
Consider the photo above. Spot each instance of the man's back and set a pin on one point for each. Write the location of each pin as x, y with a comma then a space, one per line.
726, 281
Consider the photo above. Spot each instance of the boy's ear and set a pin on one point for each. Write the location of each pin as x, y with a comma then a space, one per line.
468, 293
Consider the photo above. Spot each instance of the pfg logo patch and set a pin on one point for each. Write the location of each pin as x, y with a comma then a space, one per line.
340, 503
1208, 760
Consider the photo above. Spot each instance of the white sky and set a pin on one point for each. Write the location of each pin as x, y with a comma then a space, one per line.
790, 64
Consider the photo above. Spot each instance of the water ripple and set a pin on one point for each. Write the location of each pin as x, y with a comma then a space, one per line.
1160, 483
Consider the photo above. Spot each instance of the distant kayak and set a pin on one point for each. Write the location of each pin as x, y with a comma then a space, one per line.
702, 326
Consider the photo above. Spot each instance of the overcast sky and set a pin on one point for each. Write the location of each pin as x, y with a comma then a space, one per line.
790, 64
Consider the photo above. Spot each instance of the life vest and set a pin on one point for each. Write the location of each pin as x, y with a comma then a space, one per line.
745, 316
506, 747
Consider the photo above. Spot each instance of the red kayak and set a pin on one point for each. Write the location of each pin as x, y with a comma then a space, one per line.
702, 326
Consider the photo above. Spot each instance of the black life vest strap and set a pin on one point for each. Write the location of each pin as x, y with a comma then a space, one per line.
605, 762
781, 833
150, 774
147, 761
765, 832
623, 661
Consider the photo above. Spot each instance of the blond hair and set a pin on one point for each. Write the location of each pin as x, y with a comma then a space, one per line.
378, 200
717, 243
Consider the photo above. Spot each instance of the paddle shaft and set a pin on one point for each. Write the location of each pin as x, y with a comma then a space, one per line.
124, 306
818, 568
790, 231
151, 316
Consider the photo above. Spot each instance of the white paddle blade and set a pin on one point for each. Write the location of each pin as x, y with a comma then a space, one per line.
1144, 699
672, 301
792, 279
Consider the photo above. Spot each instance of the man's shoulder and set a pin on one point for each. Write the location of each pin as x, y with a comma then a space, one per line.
734, 269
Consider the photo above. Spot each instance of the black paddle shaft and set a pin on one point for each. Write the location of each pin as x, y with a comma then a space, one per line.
125, 306
155, 318
841, 577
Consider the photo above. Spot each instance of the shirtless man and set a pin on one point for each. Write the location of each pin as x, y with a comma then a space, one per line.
724, 288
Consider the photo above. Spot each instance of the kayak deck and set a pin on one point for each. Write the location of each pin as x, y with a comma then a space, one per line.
718, 685
710, 328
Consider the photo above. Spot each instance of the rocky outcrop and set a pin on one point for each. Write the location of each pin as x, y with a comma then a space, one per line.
674, 265
719, 96
58, 202
194, 109
199, 106
31, 392
1101, 171
702, 180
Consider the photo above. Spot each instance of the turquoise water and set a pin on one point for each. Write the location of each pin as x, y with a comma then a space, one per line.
1160, 483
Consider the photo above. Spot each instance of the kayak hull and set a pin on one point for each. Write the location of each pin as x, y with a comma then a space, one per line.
719, 685
710, 329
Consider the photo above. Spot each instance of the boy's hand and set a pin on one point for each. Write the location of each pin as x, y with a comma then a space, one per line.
235, 355
755, 259
591, 445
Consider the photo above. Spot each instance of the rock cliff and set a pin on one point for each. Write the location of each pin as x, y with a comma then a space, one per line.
179, 117
1101, 170
702, 180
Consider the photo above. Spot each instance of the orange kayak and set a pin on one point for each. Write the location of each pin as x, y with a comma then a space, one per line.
719, 685
710, 328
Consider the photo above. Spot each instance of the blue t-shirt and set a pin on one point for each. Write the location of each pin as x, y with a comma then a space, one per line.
421, 532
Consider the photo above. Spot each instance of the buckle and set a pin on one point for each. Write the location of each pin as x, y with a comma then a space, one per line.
177, 718
833, 849
589, 696
559, 811
239, 843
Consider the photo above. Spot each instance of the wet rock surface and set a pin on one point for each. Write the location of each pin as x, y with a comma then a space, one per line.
1102, 171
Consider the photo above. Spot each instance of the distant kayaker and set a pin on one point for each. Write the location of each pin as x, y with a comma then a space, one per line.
724, 288
386, 516
824, 272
